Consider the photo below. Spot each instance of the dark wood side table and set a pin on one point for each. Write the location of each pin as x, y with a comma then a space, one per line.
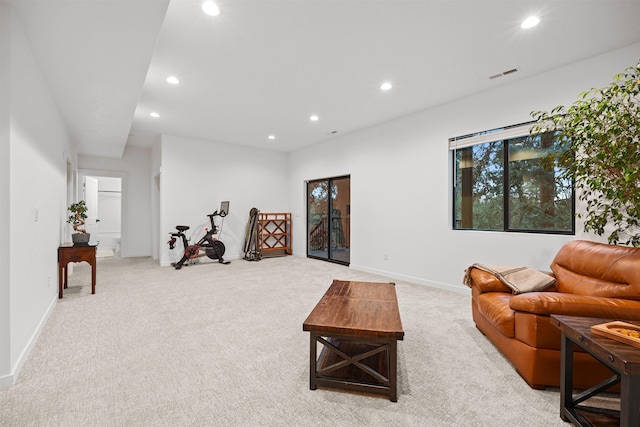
622, 359
68, 252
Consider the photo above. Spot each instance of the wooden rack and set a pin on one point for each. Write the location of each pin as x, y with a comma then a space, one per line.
275, 233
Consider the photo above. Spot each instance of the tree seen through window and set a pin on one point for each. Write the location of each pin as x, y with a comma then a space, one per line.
537, 198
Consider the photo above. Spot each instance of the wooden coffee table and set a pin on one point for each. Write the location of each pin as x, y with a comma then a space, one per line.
358, 325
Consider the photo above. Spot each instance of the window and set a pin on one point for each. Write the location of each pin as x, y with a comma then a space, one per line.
506, 180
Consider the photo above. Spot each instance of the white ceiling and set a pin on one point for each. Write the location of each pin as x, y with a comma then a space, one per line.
94, 55
264, 66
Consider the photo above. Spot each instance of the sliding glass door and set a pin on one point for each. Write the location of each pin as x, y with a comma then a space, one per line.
328, 219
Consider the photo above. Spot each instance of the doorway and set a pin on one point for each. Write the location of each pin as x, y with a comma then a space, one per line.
103, 194
329, 219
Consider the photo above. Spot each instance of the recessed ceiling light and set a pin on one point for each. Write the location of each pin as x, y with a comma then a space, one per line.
385, 86
173, 80
314, 118
154, 115
210, 8
271, 137
530, 22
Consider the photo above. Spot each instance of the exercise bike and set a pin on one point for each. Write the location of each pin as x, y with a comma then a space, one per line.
210, 245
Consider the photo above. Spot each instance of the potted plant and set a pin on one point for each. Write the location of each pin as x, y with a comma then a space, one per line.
76, 219
600, 136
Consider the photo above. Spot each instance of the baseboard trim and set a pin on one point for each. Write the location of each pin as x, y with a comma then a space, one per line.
431, 283
417, 280
10, 380
7, 381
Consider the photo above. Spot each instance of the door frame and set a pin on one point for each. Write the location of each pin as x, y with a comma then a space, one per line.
124, 250
329, 222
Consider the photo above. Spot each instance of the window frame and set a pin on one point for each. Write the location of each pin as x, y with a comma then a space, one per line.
505, 134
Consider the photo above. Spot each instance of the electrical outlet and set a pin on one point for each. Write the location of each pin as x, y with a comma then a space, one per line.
386, 257
48, 281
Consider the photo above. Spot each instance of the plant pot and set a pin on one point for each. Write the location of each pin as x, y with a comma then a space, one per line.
80, 238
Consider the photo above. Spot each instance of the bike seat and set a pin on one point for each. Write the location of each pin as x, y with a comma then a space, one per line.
182, 227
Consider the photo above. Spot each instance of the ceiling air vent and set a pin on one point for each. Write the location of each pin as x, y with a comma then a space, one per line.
504, 73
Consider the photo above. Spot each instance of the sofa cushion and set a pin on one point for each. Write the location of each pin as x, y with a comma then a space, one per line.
546, 303
494, 306
597, 269
537, 331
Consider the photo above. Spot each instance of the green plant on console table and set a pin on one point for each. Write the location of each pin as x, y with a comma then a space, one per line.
600, 139
78, 215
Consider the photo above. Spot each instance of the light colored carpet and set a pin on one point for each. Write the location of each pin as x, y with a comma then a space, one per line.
104, 253
222, 345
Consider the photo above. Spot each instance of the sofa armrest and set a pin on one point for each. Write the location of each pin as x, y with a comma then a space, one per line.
484, 281
547, 303
487, 282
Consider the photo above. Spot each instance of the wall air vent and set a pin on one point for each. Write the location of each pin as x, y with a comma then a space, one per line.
504, 73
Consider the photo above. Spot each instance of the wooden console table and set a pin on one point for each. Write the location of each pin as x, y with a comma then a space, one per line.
358, 324
68, 252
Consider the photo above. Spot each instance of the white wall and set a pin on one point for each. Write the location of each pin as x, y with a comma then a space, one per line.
135, 169
6, 366
35, 147
156, 178
197, 175
400, 180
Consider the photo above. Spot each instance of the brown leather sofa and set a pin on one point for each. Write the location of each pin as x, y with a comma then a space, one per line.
592, 280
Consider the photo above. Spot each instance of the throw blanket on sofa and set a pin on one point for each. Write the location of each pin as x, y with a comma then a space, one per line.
519, 279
